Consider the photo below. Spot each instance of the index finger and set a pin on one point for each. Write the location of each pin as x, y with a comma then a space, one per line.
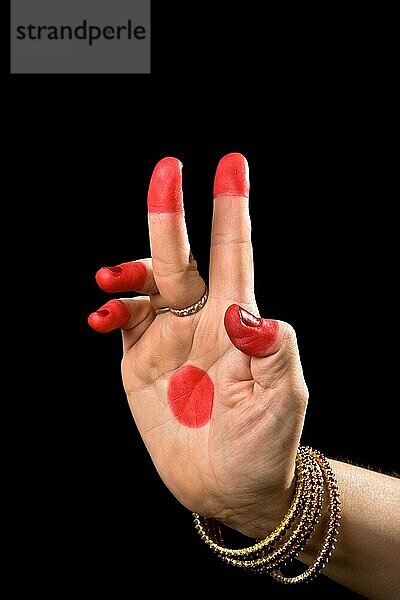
174, 268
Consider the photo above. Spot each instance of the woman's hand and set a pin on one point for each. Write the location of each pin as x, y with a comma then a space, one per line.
219, 397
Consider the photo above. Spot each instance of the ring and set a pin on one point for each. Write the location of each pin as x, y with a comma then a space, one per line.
189, 310
163, 310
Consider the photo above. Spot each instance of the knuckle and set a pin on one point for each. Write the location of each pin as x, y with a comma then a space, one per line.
227, 239
299, 393
177, 268
289, 333
289, 341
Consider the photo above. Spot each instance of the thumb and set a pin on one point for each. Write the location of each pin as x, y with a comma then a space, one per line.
250, 334
272, 344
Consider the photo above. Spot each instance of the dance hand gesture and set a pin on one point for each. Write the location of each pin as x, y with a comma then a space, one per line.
217, 394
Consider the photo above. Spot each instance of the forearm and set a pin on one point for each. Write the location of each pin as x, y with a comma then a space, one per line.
367, 555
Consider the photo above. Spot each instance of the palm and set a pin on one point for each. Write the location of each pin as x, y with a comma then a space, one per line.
195, 463
246, 448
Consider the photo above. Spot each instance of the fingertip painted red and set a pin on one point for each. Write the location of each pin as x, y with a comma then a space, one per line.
232, 176
112, 315
190, 396
126, 277
165, 189
250, 334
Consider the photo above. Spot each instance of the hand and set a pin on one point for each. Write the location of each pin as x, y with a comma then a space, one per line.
218, 397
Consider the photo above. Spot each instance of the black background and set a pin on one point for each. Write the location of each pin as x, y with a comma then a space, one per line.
303, 97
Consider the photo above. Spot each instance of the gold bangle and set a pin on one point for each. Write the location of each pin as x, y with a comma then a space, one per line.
332, 530
313, 474
290, 549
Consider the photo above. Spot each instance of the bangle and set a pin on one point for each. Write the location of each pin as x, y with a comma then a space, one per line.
270, 555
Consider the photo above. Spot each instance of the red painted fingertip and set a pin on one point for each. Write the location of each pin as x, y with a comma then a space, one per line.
232, 176
126, 277
165, 190
113, 315
250, 334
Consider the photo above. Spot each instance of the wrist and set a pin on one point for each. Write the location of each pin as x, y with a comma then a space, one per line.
259, 518
314, 477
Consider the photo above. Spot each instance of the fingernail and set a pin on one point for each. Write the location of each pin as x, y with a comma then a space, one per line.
248, 319
114, 270
232, 176
165, 189
103, 312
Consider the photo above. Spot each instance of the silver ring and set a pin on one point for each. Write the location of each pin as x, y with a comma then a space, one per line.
192, 309
189, 310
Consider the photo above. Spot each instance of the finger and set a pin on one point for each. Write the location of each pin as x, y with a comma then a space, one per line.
141, 315
128, 277
112, 315
272, 344
231, 260
133, 315
175, 270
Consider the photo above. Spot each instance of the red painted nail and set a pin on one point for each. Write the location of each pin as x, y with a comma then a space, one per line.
113, 315
127, 277
232, 176
249, 319
165, 189
114, 270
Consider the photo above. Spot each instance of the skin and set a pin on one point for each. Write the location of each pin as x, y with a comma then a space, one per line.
190, 396
259, 395
131, 275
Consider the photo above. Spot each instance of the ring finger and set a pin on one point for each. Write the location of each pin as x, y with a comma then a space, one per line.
135, 276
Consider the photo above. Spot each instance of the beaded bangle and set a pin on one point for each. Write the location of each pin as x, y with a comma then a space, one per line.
332, 530
313, 474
